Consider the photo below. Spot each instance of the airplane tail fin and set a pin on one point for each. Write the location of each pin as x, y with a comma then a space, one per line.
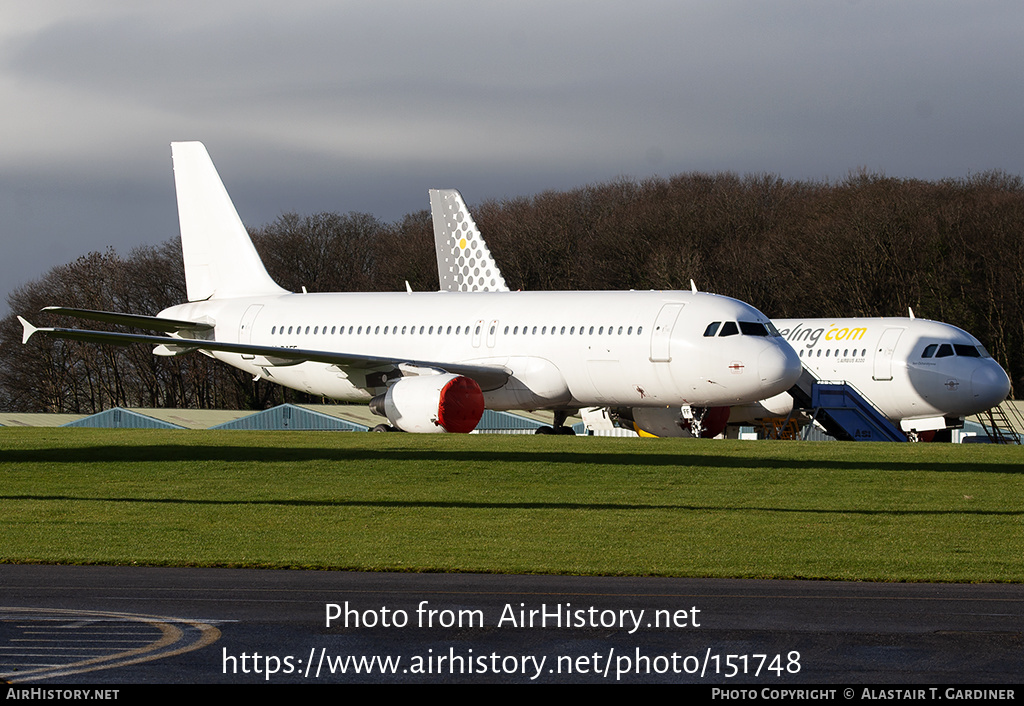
464, 263
220, 260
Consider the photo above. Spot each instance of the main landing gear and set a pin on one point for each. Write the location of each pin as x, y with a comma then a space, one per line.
559, 427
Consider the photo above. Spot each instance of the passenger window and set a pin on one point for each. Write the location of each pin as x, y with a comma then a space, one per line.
729, 328
712, 329
945, 351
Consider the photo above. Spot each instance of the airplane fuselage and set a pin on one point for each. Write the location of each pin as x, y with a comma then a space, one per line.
563, 349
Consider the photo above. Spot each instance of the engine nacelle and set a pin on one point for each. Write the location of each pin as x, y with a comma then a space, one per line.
432, 404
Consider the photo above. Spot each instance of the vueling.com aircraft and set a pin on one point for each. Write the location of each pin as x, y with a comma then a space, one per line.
922, 376
433, 361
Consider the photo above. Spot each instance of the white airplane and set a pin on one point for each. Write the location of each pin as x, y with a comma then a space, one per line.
432, 361
921, 375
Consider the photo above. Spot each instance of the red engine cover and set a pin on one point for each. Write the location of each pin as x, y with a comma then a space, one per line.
460, 406
715, 421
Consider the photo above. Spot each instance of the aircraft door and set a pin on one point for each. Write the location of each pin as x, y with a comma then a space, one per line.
246, 325
492, 332
661, 336
883, 353
478, 330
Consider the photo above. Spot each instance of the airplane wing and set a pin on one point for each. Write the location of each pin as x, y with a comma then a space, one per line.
488, 377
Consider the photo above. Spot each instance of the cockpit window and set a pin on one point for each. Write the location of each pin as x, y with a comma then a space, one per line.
747, 328
947, 350
966, 351
772, 330
751, 328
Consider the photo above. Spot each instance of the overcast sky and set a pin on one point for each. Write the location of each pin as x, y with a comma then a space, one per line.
362, 106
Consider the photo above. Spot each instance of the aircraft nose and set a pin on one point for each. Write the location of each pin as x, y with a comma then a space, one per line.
779, 366
989, 384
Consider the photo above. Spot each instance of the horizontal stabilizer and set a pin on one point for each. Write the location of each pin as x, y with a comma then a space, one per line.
27, 330
489, 378
152, 323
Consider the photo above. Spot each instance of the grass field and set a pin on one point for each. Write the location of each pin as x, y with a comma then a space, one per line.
513, 504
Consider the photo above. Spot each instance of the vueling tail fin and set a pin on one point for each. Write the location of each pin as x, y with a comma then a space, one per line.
220, 260
464, 264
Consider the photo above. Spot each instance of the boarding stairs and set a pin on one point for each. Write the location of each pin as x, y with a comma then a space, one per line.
784, 428
842, 410
1001, 428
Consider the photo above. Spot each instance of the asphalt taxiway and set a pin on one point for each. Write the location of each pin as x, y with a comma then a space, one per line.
130, 625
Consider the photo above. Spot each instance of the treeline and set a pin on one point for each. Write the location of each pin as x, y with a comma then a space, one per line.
866, 246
